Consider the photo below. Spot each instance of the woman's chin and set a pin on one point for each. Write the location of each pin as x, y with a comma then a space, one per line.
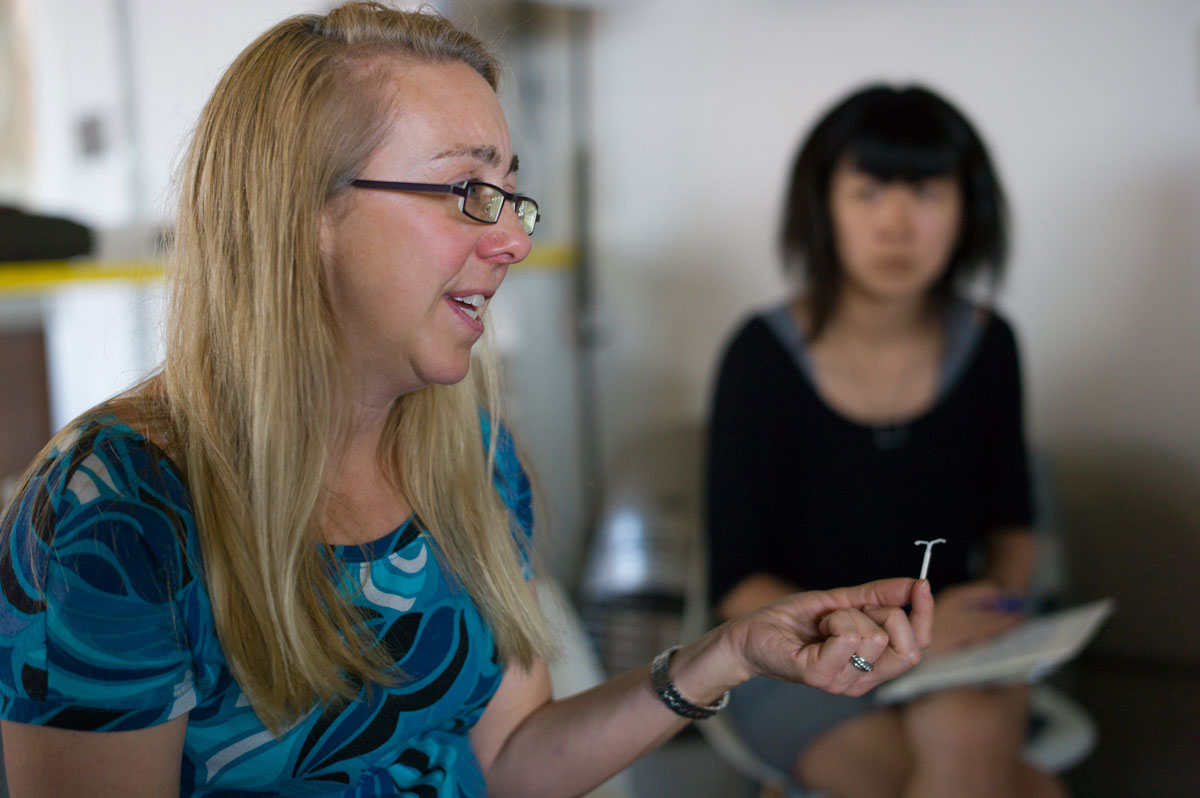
446, 373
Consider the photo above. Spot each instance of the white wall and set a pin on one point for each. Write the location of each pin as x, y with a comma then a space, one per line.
102, 338
176, 51
1092, 110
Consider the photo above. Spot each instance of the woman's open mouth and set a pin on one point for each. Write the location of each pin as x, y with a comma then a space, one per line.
469, 305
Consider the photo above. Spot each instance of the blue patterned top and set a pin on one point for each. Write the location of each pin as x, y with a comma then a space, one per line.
121, 635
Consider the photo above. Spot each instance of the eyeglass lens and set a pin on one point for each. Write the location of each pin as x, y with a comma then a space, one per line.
527, 211
484, 202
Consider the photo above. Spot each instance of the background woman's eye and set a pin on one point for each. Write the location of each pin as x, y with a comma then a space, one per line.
928, 190
867, 191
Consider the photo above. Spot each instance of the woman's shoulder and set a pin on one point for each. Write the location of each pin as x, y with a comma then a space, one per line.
107, 448
981, 345
761, 335
99, 475
97, 553
997, 332
759, 322
983, 323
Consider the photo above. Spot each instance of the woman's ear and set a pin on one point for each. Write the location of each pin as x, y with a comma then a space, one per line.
329, 224
325, 234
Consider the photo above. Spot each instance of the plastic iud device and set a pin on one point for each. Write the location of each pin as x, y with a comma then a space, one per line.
928, 544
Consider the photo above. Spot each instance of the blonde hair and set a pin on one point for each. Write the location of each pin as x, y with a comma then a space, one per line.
245, 403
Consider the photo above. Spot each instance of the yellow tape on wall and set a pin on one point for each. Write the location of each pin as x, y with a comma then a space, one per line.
38, 276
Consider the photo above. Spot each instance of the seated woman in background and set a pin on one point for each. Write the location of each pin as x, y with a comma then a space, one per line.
296, 561
876, 407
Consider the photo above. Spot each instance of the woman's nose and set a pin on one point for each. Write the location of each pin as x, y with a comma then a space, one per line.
506, 240
895, 214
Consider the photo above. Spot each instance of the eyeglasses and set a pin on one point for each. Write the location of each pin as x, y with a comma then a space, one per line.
477, 200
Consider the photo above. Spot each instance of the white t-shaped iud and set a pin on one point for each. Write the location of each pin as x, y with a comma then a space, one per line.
928, 544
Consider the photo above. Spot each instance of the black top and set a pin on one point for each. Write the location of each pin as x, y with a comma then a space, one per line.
799, 491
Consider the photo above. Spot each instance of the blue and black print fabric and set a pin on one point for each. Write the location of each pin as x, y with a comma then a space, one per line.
106, 625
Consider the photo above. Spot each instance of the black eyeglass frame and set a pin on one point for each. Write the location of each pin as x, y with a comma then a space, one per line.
462, 190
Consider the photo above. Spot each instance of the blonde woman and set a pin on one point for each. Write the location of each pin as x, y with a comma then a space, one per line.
295, 561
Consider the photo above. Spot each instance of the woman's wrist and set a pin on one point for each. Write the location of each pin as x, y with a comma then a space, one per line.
660, 680
1015, 586
703, 670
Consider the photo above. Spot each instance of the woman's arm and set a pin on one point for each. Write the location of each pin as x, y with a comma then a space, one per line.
529, 745
983, 608
44, 762
100, 642
743, 474
1011, 554
1011, 545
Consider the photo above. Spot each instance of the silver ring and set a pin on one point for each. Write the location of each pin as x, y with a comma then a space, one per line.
861, 663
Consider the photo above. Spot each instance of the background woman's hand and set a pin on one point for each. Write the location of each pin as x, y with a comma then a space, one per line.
969, 613
809, 637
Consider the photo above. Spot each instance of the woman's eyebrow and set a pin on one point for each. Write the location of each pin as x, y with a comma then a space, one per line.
486, 154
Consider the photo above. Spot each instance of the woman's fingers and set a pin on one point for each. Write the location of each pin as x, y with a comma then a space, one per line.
903, 650
921, 617
855, 630
909, 633
812, 637
887, 639
894, 592
851, 633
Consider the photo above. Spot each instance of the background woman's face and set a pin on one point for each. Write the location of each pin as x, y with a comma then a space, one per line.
893, 239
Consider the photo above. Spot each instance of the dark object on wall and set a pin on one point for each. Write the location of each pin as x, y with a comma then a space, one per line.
26, 237
25, 398
24, 402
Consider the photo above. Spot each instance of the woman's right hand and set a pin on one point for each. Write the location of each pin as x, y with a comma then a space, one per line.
810, 637
970, 613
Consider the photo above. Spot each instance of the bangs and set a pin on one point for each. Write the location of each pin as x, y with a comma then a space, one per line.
907, 138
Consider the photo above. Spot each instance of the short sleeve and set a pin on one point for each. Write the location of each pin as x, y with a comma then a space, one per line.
1009, 498
739, 471
92, 561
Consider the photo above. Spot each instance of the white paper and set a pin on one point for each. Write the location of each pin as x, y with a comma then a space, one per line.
1024, 654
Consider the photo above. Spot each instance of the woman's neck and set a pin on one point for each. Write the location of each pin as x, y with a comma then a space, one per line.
876, 362
870, 322
362, 500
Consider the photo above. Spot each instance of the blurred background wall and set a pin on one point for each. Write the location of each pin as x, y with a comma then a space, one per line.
658, 136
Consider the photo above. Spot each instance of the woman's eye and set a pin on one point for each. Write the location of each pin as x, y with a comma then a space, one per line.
933, 189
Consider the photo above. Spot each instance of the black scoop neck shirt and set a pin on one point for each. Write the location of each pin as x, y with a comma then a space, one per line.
799, 491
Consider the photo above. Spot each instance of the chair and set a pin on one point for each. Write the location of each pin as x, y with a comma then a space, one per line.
718, 730
576, 668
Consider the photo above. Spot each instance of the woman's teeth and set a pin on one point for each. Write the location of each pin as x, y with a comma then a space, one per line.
470, 304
